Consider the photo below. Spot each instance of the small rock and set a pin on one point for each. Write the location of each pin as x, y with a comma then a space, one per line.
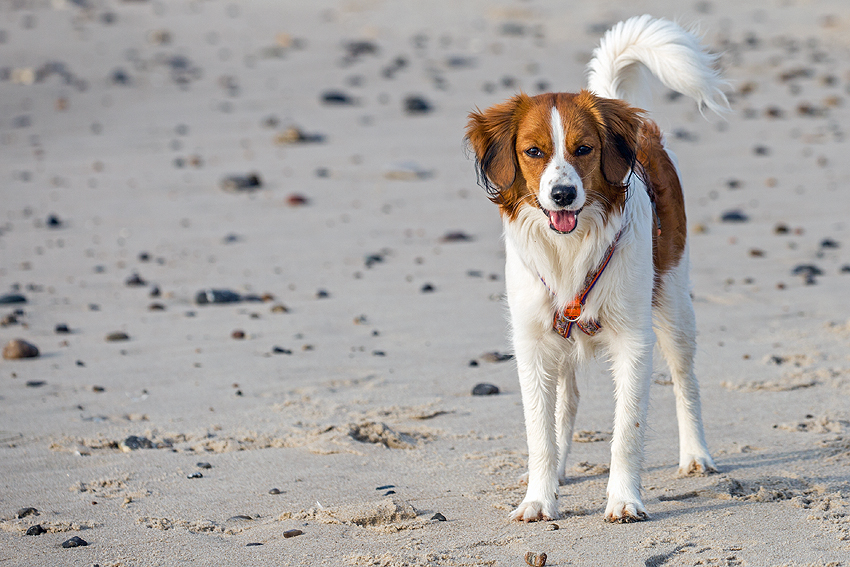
761, 151
781, 228
829, 243
135, 280
297, 200
117, 336
281, 350
385, 487
274, 491
484, 389
427, 288
10, 298
294, 135
734, 216
7, 320
456, 236
322, 294
134, 443
53, 221
337, 98
496, 356
552, 527
473, 363
35, 383
416, 105
239, 183
195, 475
806, 269
75, 541
239, 517
535, 559
292, 533
156, 307
19, 348
144, 257
206, 296
203, 465
438, 517
253, 544
238, 334
61, 329
28, 511
35, 530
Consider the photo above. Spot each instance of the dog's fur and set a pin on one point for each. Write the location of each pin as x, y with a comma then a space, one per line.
569, 171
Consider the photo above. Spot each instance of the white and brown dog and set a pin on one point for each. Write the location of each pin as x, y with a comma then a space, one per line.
597, 256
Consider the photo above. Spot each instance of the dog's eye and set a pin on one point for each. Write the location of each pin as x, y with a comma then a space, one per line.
583, 150
534, 152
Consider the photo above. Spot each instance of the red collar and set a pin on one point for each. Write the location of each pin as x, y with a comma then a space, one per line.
564, 320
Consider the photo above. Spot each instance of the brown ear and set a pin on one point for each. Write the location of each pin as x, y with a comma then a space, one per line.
620, 125
492, 135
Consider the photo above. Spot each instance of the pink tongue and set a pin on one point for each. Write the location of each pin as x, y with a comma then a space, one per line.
563, 221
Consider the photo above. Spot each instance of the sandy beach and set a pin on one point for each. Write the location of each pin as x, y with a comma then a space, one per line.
247, 241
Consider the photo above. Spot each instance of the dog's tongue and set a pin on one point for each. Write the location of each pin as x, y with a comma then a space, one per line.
563, 221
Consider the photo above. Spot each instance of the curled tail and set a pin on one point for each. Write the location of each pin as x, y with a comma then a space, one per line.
675, 56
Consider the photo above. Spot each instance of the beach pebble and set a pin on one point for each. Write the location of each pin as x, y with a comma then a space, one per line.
75, 541
416, 105
281, 350
35, 530
135, 280
195, 475
53, 221
294, 135
239, 183
385, 487
496, 356
206, 296
19, 348
203, 465
292, 533
829, 243
133, 443
10, 298
239, 517
61, 329
238, 334
7, 320
535, 559
28, 511
552, 527
337, 98
117, 336
427, 288
456, 236
274, 491
35, 383
734, 215
438, 517
484, 389
253, 544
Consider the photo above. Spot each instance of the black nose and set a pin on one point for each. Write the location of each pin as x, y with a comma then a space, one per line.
563, 195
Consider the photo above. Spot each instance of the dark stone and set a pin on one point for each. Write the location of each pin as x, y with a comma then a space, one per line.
61, 329
336, 98
373, 259
144, 257
806, 270
10, 298
53, 221
322, 294
473, 363
385, 487
35, 530
485, 390
75, 541
134, 443
427, 288
456, 236
203, 465
195, 475
253, 544
734, 216
438, 517
238, 334
829, 243
292, 533
416, 105
378, 353
280, 350
28, 511
35, 383
135, 280
274, 491
155, 291
238, 183
206, 296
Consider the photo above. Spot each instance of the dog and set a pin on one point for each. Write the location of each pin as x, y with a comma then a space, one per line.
596, 252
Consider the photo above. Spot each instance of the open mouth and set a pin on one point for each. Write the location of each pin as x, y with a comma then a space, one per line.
562, 222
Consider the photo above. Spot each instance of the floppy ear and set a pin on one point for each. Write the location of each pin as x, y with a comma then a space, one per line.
492, 135
620, 126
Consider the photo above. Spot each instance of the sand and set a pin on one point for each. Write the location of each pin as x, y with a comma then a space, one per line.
369, 268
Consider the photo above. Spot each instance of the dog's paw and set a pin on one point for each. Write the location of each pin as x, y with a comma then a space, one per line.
535, 511
623, 512
697, 466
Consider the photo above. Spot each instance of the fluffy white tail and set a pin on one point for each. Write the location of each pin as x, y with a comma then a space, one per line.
674, 55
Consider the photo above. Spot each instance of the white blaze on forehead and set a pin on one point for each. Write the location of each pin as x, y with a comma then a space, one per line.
559, 171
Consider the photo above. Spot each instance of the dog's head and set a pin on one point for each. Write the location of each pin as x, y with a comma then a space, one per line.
557, 152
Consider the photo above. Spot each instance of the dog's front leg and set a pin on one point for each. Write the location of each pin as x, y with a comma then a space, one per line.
631, 358
538, 354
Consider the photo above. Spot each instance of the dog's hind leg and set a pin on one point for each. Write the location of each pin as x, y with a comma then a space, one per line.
675, 329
